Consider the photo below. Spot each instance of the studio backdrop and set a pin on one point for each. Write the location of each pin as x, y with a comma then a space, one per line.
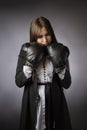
69, 21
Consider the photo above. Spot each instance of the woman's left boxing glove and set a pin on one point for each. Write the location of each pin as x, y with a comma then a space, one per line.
58, 53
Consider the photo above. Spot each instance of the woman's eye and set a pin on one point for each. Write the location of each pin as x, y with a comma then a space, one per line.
47, 34
39, 36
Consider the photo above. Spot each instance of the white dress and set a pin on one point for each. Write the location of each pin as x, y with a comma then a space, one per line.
44, 75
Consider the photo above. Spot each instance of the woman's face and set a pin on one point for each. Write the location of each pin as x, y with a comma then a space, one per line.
44, 37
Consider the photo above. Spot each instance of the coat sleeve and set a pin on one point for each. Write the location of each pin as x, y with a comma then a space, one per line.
20, 78
66, 81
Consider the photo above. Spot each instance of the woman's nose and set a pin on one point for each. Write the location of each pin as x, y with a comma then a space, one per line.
44, 39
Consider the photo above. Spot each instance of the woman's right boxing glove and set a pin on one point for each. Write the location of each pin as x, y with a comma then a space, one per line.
33, 53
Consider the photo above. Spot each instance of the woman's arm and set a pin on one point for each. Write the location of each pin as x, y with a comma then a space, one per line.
23, 71
65, 76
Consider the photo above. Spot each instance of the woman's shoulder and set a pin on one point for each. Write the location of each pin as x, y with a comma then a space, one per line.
65, 47
24, 46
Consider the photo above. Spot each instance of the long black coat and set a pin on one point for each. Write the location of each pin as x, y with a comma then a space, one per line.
28, 110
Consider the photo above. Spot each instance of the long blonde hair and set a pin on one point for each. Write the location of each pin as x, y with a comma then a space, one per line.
37, 24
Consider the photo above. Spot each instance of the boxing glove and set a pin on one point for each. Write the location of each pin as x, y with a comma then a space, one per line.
58, 53
33, 53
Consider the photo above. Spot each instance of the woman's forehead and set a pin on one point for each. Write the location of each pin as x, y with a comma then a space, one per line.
42, 31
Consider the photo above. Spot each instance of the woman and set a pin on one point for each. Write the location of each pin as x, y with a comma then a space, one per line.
43, 70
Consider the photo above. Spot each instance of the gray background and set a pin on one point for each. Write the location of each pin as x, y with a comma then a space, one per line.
69, 21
